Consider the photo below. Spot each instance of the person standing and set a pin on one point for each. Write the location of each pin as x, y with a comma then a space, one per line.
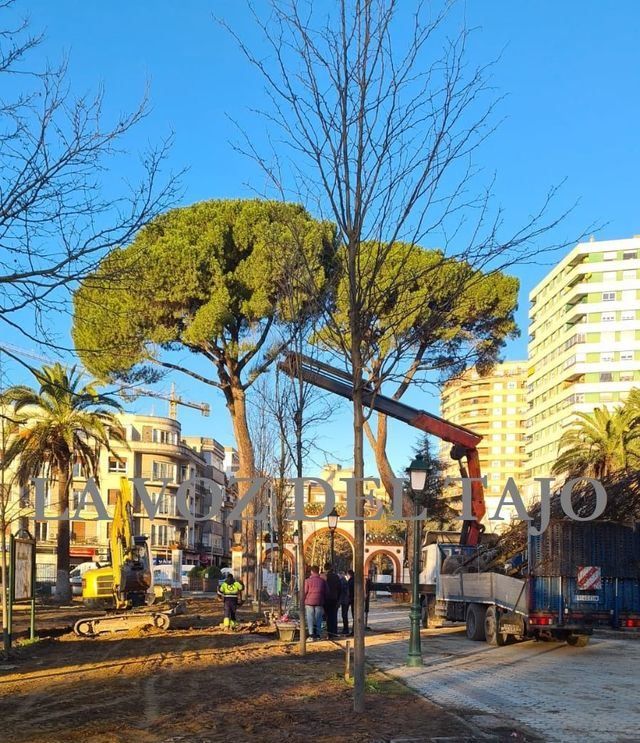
351, 589
315, 596
345, 602
368, 585
332, 600
230, 590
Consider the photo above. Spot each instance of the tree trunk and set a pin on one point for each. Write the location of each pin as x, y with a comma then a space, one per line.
358, 558
238, 410
63, 586
5, 585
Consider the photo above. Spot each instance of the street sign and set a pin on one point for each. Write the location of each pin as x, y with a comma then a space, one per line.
23, 567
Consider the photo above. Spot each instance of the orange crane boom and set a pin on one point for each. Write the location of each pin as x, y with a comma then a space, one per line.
464, 441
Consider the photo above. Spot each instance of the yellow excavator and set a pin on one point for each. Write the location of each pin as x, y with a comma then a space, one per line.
126, 586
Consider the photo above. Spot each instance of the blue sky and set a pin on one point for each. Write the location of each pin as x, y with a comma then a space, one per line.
569, 72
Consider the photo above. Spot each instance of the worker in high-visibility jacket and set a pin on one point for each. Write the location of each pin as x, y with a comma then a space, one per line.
230, 590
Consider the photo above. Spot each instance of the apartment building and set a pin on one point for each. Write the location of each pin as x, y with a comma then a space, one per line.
156, 452
584, 341
493, 406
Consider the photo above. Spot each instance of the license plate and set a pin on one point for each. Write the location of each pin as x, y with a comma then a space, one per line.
587, 597
513, 629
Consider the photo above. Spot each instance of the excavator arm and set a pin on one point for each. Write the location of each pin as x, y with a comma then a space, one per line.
464, 441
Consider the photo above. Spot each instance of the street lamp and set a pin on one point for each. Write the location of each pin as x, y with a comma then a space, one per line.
332, 521
418, 470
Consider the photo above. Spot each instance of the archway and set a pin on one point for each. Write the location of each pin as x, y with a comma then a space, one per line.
317, 549
383, 562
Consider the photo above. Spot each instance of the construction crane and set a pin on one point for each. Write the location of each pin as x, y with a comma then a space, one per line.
465, 441
15, 352
172, 397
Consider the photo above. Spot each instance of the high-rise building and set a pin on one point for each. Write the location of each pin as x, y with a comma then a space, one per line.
493, 406
584, 341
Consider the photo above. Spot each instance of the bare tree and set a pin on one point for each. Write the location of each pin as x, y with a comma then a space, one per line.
377, 117
58, 211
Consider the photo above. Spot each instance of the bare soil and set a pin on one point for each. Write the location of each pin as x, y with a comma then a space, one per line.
195, 683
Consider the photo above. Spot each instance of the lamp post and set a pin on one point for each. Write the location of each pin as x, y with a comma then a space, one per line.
418, 479
332, 521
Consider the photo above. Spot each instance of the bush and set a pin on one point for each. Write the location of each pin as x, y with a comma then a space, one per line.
196, 572
212, 572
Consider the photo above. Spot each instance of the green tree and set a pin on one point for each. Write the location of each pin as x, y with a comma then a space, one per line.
423, 313
208, 278
63, 422
598, 444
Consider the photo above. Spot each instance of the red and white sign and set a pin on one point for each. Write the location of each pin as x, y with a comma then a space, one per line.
589, 579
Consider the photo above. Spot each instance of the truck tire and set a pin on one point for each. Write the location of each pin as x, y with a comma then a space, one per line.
475, 622
578, 641
492, 636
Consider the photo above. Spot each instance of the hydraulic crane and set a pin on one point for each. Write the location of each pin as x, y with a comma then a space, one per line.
464, 440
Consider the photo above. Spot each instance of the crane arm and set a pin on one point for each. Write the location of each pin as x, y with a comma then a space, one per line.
464, 440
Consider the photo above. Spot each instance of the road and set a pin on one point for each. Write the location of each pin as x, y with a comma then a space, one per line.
559, 692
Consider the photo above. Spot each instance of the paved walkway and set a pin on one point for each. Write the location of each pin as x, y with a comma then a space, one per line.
559, 692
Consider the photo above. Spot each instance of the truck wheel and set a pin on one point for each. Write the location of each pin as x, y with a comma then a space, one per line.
578, 641
492, 636
475, 621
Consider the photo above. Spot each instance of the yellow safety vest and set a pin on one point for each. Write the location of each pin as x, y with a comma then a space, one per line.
230, 590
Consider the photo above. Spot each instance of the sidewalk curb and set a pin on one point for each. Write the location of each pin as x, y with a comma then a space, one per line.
474, 729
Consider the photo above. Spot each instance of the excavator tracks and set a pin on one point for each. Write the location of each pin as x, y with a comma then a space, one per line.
94, 626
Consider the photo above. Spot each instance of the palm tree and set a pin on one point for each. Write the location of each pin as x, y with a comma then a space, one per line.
599, 443
64, 423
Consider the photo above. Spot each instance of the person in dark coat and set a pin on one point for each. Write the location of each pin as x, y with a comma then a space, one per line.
332, 600
351, 589
345, 602
315, 596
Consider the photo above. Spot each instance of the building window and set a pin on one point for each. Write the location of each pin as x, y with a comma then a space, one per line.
117, 465
608, 296
626, 376
606, 356
609, 276
161, 436
626, 355
629, 255
78, 470
112, 496
606, 377
164, 470
629, 275
42, 531
609, 256
512, 385
628, 315
629, 295
159, 534
608, 317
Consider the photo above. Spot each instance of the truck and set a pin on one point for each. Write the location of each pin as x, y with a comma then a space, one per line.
573, 578
566, 581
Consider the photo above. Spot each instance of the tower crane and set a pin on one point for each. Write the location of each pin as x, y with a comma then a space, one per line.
173, 398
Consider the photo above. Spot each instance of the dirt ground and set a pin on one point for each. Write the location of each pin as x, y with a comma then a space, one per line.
195, 683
